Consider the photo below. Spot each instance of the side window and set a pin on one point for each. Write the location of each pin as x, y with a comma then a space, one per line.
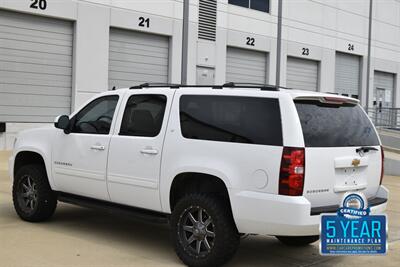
234, 119
143, 115
96, 117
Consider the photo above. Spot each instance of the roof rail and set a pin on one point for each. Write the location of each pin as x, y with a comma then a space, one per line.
149, 85
173, 86
263, 87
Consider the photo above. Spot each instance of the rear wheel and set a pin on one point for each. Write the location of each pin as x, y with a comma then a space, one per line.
298, 240
203, 230
33, 198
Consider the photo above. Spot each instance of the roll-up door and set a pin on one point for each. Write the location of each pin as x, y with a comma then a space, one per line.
246, 66
347, 75
35, 67
137, 57
383, 88
302, 74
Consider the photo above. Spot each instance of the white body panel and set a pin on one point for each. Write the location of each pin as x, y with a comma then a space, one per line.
134, 162
37, 141
329, 170
250, 172
79, 169
234, 163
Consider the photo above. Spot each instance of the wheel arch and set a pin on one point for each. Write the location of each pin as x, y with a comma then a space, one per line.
31, 156
200, 182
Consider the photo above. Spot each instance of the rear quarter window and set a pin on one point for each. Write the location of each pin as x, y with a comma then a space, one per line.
327, 125
232, 119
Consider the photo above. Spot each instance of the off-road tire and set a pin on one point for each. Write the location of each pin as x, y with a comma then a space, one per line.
298, 241
226, 239
46, 199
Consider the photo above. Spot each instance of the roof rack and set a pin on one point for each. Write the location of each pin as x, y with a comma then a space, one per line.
263, 87
173, 86
149, 85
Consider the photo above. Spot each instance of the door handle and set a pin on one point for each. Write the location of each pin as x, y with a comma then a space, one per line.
98, 147
149, 151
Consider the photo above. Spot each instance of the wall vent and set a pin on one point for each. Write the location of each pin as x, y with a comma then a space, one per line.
207, 19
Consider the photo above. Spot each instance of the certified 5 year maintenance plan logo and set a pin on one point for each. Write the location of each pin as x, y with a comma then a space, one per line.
353, 231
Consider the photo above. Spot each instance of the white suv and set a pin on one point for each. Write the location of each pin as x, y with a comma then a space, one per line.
214, 162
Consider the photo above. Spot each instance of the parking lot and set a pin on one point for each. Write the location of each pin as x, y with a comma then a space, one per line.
81, 237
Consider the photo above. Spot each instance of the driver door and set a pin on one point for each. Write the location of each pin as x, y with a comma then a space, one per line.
80, 157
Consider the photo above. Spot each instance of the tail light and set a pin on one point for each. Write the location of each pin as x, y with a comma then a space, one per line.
291, 178
382, 168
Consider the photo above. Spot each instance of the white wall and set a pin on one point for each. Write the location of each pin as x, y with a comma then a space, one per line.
322, 26
93, 19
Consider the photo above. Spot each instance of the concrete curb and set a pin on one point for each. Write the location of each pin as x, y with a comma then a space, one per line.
392, 167
391, 149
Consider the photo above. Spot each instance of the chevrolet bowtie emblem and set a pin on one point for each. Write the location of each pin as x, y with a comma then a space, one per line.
355, 162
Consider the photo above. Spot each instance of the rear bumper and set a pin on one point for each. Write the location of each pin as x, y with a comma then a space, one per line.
267, 214
376, 201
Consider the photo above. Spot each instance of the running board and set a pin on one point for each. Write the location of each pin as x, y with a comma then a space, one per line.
115, 209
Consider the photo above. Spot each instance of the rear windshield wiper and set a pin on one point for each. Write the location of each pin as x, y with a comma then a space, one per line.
366, 149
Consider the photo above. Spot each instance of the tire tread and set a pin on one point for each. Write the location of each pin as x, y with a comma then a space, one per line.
226, 247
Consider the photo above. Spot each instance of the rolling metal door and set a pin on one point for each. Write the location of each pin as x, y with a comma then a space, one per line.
384, 85
35, 67
137, 57
302, 74
245, 66
347, 75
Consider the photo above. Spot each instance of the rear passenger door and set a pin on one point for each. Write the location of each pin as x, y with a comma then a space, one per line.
136, 148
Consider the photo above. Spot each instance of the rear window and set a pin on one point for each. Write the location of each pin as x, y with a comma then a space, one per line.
327, 125
233, 119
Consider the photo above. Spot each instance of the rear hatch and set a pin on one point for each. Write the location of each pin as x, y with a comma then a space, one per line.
342, 150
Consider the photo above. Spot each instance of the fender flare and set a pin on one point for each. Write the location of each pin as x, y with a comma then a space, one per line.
45, 159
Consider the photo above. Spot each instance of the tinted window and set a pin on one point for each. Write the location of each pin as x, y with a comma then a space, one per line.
96, 117
231, 119
243, 3
335, 125
143, 115
261, 5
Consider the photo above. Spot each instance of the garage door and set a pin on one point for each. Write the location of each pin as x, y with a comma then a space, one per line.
384, 88
137, 58
35, 67
347, 75
246, 66
302, 74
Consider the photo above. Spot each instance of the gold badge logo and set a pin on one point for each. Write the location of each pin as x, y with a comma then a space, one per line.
355, 162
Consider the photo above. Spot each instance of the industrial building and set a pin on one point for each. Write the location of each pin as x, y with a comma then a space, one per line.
56, 54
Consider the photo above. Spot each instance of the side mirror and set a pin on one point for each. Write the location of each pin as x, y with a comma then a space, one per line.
62, 122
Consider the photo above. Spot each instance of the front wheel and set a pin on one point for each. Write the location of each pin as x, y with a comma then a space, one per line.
298, 240
33, 198
203, 230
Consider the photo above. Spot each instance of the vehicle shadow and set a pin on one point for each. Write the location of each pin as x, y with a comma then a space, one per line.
153, 240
